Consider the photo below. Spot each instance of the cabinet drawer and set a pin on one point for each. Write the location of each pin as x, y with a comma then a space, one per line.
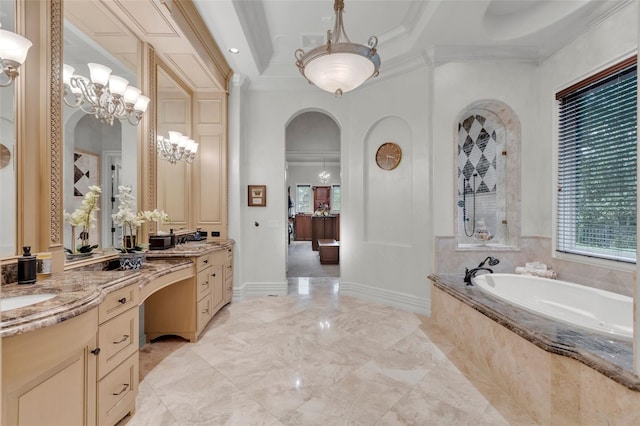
117, 340
117, 392
205, 312
203, 262
204, 283
118, 302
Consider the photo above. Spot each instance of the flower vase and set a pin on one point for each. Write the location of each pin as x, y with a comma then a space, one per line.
129, 261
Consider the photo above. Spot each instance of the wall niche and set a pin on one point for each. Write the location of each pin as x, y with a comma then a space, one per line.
487, 174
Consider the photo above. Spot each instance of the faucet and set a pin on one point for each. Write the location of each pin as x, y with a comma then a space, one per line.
470, 273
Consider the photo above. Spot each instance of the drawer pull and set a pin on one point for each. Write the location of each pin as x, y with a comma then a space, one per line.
205, 261
96, 351
206, 311
124, 388
123, 300
213, 275
205, 283
124, 338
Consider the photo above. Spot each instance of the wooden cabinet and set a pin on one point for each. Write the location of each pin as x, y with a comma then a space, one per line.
210, 164
49, 374
323, 228
195, 195
321, 197
83, 371
118, 361
205, 283
303, 227
228, 277
191, 302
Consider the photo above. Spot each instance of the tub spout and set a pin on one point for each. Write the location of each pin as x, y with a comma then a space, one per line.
470, 273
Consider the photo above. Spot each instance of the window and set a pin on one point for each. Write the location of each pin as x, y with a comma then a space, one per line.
597, 165
335, 198
304, 198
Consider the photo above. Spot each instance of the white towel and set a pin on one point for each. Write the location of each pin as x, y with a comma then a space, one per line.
544, 273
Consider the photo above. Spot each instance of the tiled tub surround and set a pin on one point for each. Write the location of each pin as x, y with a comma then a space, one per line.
562, 374
452, 260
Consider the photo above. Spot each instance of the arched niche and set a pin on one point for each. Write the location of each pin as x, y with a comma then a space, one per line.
487, 175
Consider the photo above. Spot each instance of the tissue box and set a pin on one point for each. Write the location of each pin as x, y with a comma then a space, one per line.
160, 242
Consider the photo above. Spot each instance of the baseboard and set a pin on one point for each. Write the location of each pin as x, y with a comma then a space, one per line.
404, 301
257, 289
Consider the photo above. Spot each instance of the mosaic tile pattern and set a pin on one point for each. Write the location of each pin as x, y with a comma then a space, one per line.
477, 154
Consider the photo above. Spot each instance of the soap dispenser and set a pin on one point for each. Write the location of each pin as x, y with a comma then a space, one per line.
27, 267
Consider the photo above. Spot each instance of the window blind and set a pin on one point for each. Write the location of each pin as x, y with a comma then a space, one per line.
596, 208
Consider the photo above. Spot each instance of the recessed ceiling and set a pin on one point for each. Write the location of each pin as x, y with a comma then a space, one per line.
268, 32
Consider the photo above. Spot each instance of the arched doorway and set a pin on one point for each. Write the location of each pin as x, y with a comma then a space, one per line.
314, 187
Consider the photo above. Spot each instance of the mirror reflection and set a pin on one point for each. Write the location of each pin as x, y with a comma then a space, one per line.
173, 102
96, 153
8, 150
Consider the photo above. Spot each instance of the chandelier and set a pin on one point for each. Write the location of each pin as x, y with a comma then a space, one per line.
177, 147
106, 96
324, 175
13, 52
339, 66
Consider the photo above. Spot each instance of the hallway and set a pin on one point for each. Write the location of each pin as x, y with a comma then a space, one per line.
315, 357
304, 262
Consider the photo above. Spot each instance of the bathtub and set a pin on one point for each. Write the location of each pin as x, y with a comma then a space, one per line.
589, 308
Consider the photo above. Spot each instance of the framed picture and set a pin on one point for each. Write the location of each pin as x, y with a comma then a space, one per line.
257, 195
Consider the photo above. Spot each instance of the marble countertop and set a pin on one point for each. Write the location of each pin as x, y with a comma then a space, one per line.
611, 357
192, 248
77, 291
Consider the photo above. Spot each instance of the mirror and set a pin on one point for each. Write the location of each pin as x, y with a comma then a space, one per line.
96, 153
173, 113
8, 183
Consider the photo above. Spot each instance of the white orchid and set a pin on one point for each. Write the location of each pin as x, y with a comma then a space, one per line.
84, 216
130, 220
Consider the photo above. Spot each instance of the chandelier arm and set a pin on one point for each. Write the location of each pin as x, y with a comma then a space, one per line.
68, 95
9, 71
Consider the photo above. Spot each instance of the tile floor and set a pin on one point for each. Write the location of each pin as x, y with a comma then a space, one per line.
316, 358
302, 261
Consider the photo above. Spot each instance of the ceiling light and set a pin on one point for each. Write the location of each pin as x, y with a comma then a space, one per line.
13, 52
324, 175
339, 66
234, 50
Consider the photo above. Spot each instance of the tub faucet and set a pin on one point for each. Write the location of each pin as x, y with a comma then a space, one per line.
470, 273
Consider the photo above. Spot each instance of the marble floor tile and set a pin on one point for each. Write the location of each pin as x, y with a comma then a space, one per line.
316, 358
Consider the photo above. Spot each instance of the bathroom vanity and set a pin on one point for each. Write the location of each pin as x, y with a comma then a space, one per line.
73, 359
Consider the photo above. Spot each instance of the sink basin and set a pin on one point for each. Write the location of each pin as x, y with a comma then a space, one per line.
16, 302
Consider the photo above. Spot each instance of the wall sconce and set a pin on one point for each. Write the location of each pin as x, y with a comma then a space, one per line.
13, 52
106, 96
177, 147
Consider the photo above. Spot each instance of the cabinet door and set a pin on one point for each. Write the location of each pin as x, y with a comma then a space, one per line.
217, 288
303, 227
321, 197
210, 163
49, 375
330, 228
